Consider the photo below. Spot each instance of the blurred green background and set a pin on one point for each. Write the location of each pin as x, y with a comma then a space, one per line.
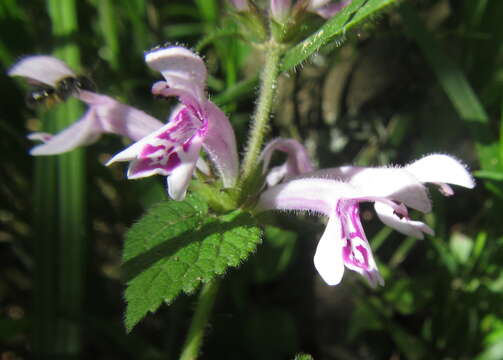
424, 77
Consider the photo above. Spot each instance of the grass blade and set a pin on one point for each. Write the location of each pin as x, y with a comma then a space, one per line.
449, 74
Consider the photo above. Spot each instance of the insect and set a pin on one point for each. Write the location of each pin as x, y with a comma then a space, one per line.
43, 94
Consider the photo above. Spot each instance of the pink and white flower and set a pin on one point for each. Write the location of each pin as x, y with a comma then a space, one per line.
174, 149
104, 115
337, 192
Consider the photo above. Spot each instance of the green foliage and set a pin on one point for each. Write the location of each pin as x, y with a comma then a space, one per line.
303, 357
352, 15
177, 246
449, 74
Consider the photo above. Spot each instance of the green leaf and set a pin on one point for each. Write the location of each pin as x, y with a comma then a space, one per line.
177, 246
488, 174
352, 15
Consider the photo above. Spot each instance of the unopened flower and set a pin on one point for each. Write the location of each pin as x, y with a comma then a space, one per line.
104, 115
173, 150
297, 161
241, 5
325, 8
337, 192
280, 9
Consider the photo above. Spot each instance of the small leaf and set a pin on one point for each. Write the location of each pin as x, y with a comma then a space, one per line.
178, 245
352, 15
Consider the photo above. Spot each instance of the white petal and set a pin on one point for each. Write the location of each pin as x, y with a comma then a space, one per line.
404, 225
40, 136
220, 144
134, 150
179, 180
440, 168
42, 68
309, 194
393, 183
328, 257
276, 174
313, 4
83, 132
181, 68
118, 118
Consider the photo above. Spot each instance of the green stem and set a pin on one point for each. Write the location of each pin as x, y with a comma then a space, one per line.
260, 124
205, 303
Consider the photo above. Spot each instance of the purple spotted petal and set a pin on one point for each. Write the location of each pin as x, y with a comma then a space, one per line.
172, 151
356, 251
344, 244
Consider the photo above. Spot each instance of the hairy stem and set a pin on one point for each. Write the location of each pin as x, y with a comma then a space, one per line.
205, 303
260, 124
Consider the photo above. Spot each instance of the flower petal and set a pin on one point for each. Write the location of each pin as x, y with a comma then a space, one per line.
403, 224
276, 174
171, 137
40, 136
356, 251
440, 168
179, 180
314, 4
327, 11
328, 256
162, 89
306, 194
280, 9
42, 68
395, 184
297, 163
118, 118
181, 68
220, 144
240, 5
83, 132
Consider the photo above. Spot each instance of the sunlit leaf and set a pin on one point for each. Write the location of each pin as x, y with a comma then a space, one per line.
176, 247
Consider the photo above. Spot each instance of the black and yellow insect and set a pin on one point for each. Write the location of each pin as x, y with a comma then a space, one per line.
42, 94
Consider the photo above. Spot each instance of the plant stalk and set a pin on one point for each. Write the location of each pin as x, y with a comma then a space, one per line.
205, 303
260, 125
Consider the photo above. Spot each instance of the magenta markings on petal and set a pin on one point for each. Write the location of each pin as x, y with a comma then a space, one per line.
337, 192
